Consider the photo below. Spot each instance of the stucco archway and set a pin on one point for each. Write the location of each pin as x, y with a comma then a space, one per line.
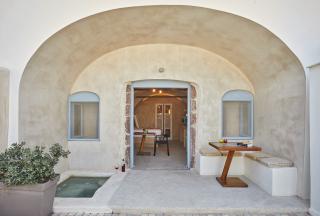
275, 72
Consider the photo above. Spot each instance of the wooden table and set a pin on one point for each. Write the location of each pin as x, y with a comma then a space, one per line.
143, 138
231, 148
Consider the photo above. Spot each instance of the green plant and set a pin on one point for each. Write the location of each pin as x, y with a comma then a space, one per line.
21, 165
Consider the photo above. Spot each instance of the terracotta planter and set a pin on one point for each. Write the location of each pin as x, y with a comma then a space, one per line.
27, 200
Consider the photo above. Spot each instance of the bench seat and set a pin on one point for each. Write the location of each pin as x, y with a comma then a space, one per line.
209, 151
269, 160
272, 175
275, 175
257, 155
275, 162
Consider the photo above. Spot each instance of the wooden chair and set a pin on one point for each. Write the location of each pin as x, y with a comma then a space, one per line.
162, 139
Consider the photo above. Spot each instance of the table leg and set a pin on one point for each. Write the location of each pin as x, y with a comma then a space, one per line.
226, 181
227, 166
142, 143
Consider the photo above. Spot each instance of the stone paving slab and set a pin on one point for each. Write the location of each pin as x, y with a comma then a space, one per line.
185, 193
102, 214
181, 192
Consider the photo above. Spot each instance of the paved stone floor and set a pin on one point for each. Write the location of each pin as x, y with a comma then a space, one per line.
186, 193
99, 214
181, 192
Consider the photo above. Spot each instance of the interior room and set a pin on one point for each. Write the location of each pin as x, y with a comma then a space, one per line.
160, 120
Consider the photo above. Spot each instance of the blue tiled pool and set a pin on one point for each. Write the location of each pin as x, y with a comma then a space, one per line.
76, 186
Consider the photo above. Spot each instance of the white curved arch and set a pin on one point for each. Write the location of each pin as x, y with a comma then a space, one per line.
285, 26
84, 96
44, 19
239, 95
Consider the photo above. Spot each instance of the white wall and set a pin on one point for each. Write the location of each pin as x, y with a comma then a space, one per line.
24, 25
314, 76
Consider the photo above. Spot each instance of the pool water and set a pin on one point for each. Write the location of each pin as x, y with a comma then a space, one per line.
80, 186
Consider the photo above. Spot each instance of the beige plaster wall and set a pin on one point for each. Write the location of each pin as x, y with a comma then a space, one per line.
108, 76
145, 113
4, 107
274, 71
280, 118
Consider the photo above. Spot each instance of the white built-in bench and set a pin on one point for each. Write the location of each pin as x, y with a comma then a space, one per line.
211, 162
275, 175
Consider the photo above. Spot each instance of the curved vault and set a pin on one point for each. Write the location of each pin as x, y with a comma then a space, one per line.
275, 72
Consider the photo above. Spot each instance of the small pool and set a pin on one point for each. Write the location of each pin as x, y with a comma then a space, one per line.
76, 186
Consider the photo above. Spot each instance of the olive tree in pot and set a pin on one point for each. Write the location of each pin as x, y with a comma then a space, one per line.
27, 179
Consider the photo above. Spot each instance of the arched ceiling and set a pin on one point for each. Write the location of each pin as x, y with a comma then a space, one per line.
253, 49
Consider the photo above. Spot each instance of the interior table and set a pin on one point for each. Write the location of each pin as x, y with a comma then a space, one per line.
224, 180
143, 138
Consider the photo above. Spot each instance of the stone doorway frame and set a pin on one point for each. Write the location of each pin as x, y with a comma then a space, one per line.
192, 93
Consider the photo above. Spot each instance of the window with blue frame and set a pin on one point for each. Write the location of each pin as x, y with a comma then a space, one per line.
237, 115
83, 116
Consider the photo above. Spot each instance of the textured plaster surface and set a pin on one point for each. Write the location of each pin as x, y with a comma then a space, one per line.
274, 71
4, 108
108, 76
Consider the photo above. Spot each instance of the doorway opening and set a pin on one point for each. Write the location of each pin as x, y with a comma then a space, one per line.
160, 125
160, 120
